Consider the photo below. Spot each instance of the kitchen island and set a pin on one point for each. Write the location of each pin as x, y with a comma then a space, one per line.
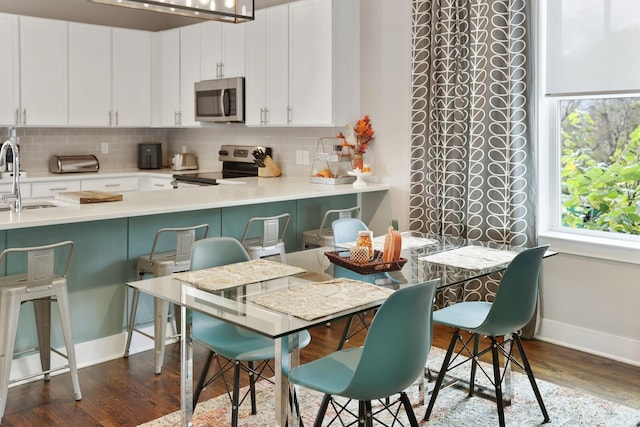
110, 236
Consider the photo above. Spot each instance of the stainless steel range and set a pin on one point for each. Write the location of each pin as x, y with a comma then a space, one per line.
237, 162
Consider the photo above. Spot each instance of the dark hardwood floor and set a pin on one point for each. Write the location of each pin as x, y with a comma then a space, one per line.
125, 392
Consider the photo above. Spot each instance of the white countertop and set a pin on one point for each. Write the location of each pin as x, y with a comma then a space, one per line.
140, 203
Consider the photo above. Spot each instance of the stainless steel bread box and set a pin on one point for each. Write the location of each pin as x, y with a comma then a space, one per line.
74, 164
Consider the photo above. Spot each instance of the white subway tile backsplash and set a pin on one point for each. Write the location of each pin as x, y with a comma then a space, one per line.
38, 144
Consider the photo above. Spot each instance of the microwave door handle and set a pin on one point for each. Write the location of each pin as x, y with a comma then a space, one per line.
226, 99
223, 112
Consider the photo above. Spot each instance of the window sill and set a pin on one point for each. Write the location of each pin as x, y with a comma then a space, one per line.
593, 247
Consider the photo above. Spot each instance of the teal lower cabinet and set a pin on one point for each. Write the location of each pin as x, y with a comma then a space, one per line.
98, 269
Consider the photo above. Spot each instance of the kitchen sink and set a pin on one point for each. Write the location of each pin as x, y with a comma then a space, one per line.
30, 206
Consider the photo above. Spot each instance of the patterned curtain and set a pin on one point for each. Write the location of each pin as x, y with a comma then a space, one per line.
473, 158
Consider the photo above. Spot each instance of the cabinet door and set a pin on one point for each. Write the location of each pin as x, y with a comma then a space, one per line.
131, 77
166, 78
311, 60
114, 184
189, 72
256, 71
211, 50
51, 188
89, 74
233, 46
44, 71
278, 66
9, 72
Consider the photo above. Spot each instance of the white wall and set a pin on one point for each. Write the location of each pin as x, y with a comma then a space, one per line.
385, 73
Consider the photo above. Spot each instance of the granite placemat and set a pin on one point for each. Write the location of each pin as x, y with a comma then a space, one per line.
471, 257
240, 273
318, 299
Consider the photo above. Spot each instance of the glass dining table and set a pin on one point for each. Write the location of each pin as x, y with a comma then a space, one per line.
279, 300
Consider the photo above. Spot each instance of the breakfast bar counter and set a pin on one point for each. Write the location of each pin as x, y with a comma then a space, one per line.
234, 192
110, 236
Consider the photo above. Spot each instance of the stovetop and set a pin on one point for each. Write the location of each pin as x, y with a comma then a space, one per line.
237, 162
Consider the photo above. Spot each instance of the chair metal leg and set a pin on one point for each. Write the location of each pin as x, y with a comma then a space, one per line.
474, 364
161, 314
441, 374
365, 415
532, 380
42, 311
252, 387
65, 318
322, 410
411, 416
9, 314
132, 319
497, 381
236, 394
202, 379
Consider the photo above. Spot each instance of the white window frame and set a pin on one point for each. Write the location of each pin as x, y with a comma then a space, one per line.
596, 244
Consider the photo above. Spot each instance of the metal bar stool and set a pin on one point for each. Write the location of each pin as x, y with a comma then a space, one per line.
41, 285
162, 264
272, 241
323, 236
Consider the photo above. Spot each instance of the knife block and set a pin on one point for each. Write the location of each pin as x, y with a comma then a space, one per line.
265, 172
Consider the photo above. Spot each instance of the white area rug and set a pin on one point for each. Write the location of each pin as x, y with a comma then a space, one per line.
566, 407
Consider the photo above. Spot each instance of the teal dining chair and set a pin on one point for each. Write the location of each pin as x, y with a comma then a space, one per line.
233, 343
392, 358
512, 308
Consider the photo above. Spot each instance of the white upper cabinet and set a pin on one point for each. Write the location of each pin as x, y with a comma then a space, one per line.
165, 76
267, 67
317, 73
44, 72
190, 60
222, 50
324, 66
10, 71
89, 75
131, 78
176, 67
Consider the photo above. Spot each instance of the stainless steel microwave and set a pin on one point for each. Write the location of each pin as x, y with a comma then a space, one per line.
220, 100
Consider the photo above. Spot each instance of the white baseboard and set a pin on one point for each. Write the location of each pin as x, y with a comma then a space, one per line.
589, 341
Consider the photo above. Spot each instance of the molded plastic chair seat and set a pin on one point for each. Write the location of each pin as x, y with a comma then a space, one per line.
234, 343
387, 363
323, 236
161, 264
41, 285
513, 307
272, 240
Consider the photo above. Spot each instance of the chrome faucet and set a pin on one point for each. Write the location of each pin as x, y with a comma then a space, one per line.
14, 196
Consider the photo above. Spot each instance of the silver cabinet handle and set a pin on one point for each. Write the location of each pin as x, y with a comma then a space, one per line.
24, 116
58, 189
17, 116
175, 118
289, 115
112, 185
110, 118
179, 118
116, 123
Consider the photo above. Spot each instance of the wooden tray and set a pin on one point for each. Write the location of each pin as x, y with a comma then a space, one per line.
377, 265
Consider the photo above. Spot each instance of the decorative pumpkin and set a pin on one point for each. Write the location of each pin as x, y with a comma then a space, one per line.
392, 245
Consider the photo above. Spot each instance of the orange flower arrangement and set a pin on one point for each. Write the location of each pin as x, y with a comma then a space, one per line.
361, 134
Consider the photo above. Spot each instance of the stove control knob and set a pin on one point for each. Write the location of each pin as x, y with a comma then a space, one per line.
223, 153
